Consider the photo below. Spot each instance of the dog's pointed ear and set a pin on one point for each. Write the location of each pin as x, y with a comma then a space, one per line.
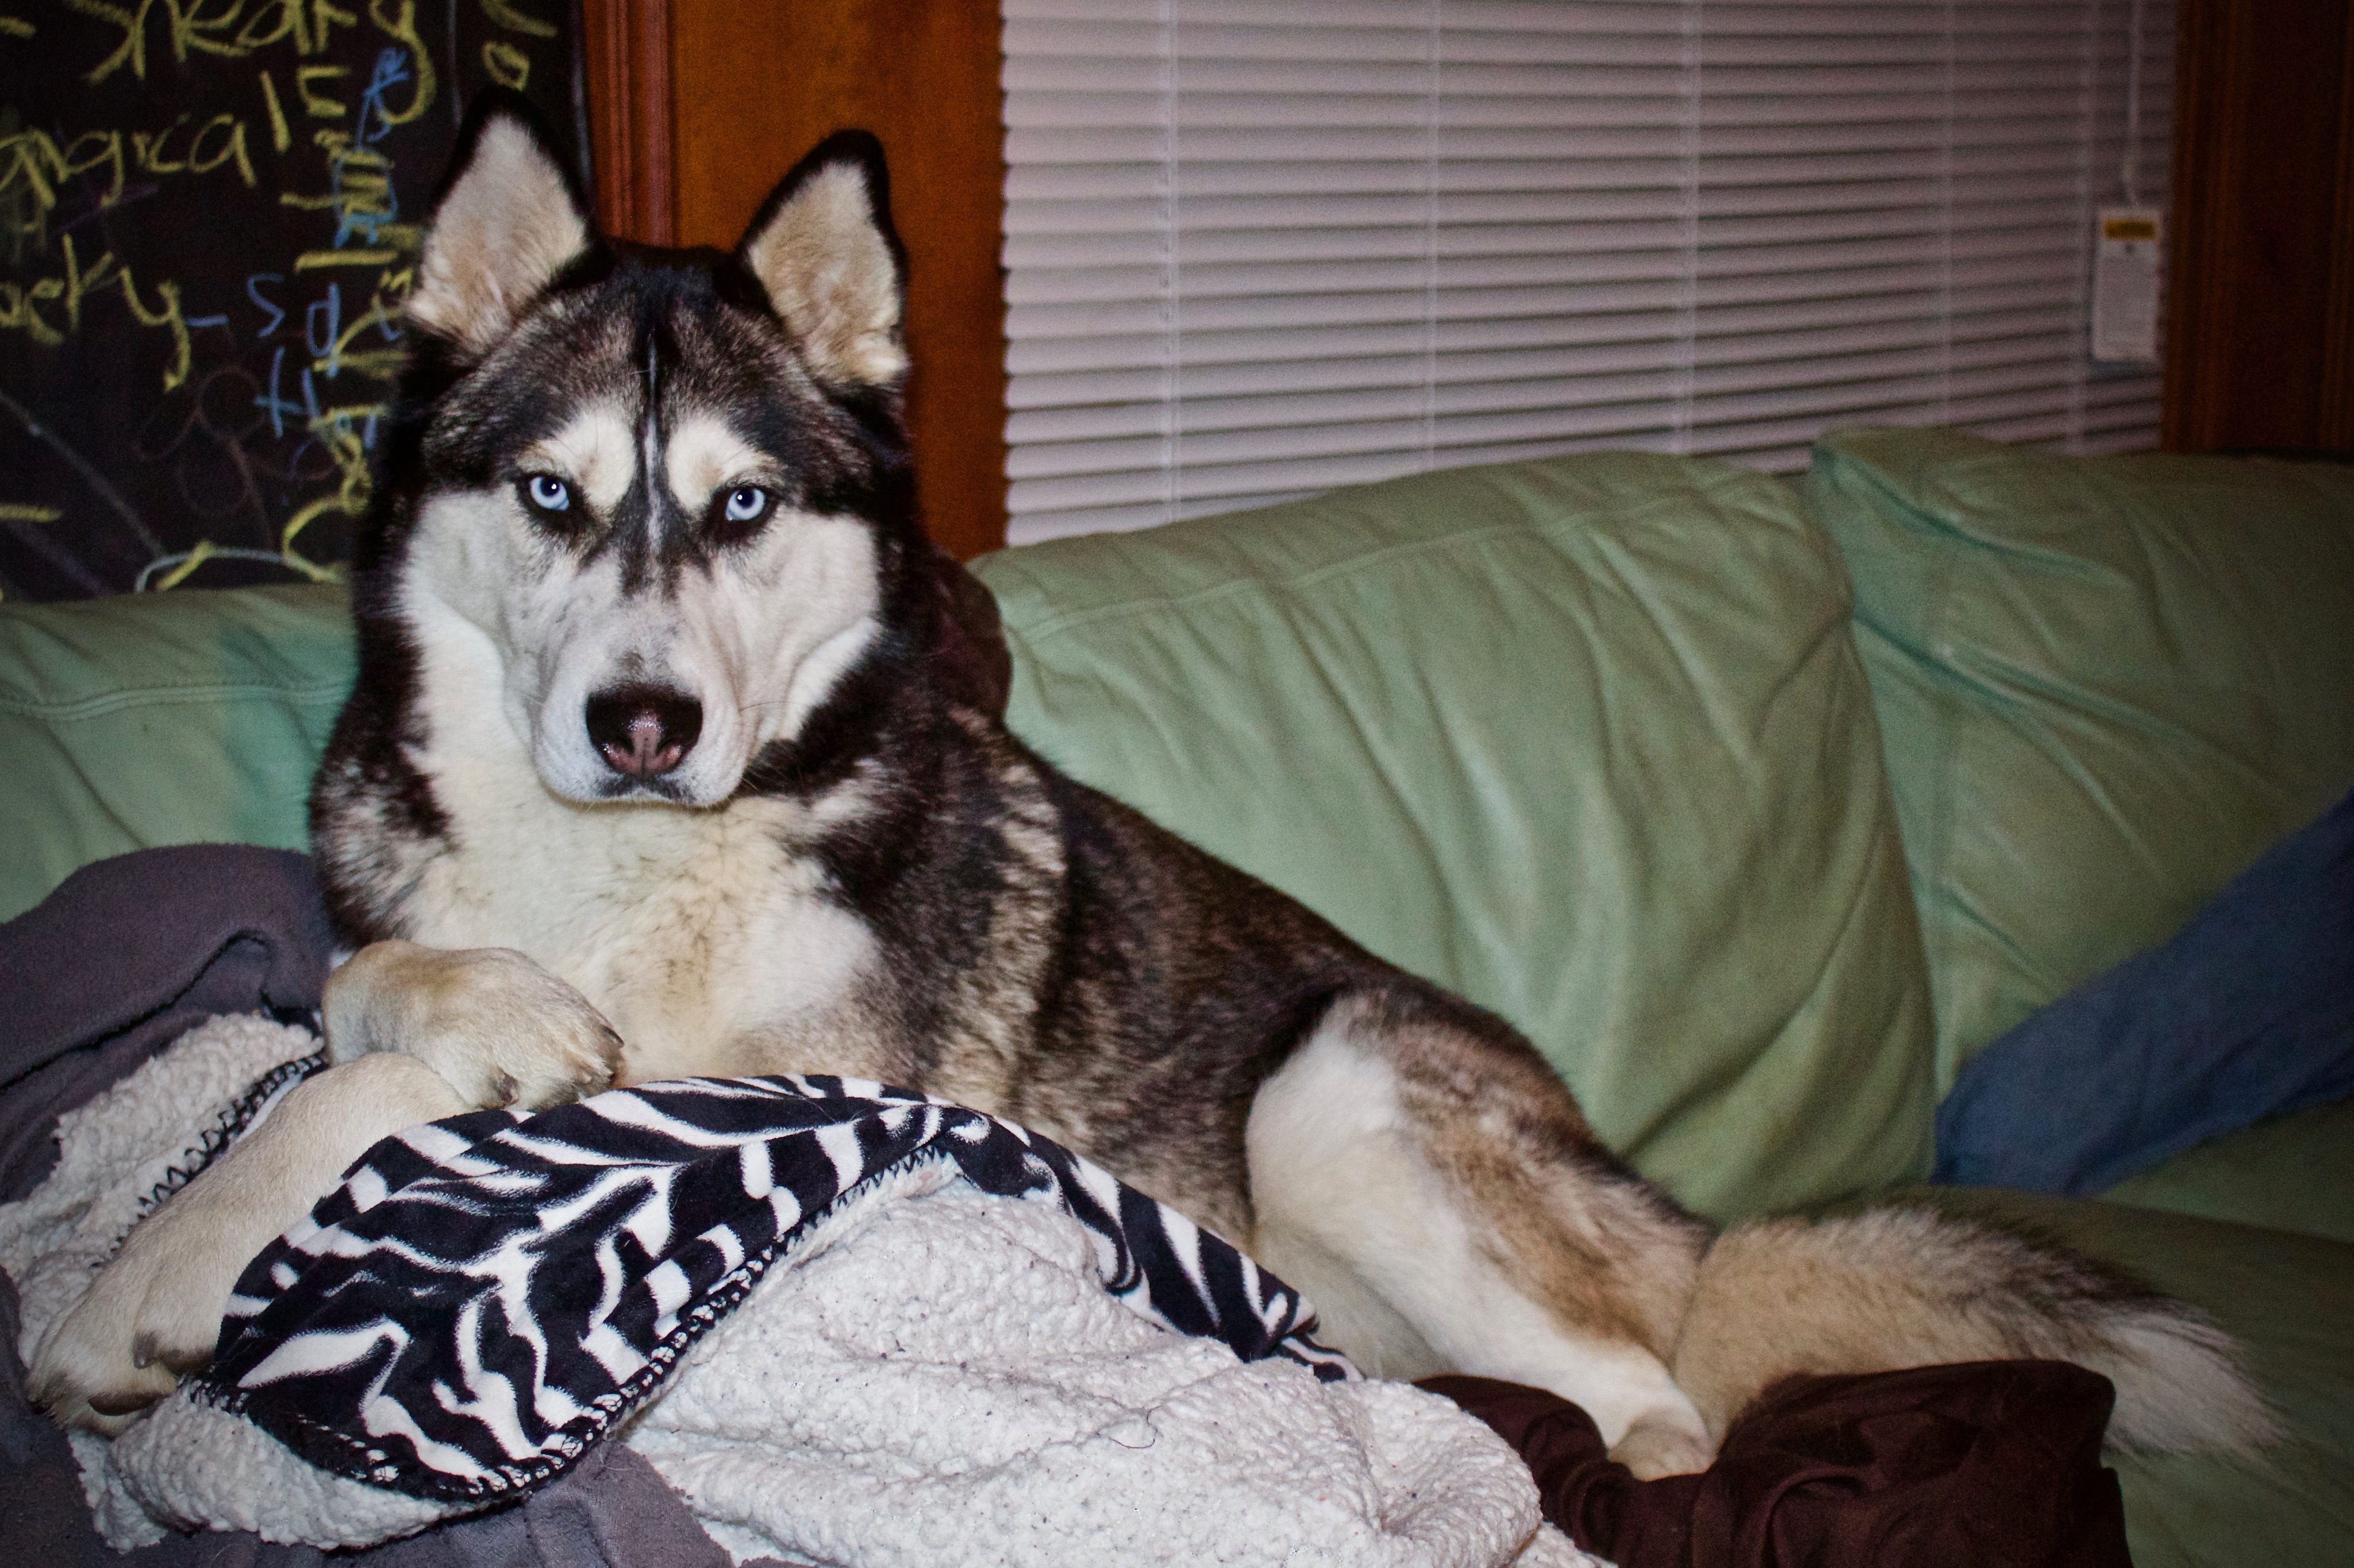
508, 219
823, 250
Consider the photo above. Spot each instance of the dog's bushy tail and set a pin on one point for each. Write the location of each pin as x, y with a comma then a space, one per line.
1901, 1287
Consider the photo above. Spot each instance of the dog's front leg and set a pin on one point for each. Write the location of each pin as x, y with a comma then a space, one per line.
500, 1029
155, 1311
415, 1034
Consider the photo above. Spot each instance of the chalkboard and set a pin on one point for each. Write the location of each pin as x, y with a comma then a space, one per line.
209, 219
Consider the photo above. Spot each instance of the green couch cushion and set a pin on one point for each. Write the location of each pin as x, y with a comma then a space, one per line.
1583, 739
2292, 1174
2287, 1299
182, 717
2106, 684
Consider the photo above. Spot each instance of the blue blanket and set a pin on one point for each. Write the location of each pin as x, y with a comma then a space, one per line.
2248, 1012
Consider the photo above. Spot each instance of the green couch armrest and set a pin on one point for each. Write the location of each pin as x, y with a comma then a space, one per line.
185, 718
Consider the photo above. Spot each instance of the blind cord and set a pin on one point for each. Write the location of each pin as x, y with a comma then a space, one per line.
1433, 43
1172, 340
2131, 170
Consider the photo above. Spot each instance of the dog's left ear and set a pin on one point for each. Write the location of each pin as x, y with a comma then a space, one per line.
823, 250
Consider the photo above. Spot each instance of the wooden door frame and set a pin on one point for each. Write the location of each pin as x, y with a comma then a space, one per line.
2260, 314
630, 134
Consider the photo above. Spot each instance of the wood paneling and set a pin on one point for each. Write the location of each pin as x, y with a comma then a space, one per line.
629, 117
2260, 326
757, 85
2338, 358
691, 139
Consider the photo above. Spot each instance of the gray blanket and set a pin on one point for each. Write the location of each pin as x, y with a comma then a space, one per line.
124, 958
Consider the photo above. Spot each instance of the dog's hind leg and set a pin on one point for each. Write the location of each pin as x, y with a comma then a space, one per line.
155, 1310
1429, 1185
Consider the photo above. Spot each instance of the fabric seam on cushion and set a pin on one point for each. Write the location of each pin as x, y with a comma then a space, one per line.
1058, 625
1935, 856
1765, 1059
157, 696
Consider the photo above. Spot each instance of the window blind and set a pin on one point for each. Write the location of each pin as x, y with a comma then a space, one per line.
1259, 247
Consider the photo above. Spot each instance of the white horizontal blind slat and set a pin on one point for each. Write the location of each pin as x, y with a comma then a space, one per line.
1257, 248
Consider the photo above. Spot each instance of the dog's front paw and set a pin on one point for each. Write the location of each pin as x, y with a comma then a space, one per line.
501, 1031
155, 1311
90, 1371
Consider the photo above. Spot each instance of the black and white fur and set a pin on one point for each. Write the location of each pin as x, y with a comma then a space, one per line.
654, 769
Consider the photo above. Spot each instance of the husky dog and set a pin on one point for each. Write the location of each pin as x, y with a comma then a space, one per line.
656, 767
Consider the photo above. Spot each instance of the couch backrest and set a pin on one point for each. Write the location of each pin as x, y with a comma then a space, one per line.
2106, 685
1585, 740
149, 719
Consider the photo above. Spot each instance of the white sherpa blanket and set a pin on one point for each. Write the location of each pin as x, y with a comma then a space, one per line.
917, 1370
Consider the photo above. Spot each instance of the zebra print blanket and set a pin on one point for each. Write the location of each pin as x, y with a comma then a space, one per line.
484, 1297
843, 1323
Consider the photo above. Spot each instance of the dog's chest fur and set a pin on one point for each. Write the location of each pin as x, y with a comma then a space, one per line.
703, 936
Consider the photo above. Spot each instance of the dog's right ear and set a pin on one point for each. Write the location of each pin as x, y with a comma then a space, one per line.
508, 219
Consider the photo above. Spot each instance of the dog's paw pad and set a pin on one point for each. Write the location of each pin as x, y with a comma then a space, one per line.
93, 1387
95, 1368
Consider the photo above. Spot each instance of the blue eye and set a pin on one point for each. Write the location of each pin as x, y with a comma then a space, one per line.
546, 492
747, 504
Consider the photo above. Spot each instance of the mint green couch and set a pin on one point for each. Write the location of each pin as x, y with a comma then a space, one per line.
1759, 806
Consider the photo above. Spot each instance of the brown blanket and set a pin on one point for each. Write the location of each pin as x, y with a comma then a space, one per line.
1986, 1464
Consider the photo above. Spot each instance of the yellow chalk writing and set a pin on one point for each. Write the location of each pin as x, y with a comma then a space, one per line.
20, 307
402, 28
508, 66
383, 313
147, 151
304, 21
279, 137
232, 147
228, 29
91, 150
192, 29
317, 103
516, 19
275, 20
105, 274
310, 259
188, 563
133, 47
188, 27
356, 70
31, 162
335, 430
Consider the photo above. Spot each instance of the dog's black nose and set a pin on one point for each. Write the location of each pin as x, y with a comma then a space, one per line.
643, 731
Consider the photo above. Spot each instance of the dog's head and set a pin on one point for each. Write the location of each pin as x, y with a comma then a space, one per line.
665, 492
